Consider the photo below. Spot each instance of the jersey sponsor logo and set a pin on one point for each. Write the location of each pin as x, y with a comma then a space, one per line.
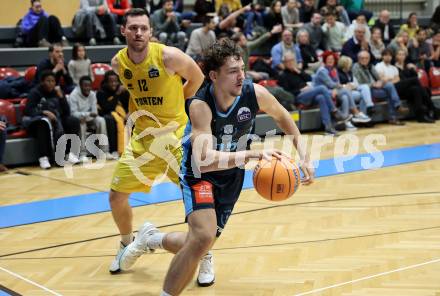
128, 74
153, 72
243, 114
203, 192
228, 129
149, 101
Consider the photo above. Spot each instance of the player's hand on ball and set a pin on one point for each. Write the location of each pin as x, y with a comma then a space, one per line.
268, 154
308, 171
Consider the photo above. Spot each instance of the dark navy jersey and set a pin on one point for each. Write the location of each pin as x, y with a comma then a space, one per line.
231, 130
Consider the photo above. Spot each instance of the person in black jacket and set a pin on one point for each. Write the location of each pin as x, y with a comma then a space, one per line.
47, 118
55, 63
385, 26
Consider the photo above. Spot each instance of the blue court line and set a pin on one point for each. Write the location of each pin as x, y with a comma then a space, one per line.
72, 206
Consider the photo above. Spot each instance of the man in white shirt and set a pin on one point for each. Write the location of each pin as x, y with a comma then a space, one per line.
387, 72
201, 38
334, 33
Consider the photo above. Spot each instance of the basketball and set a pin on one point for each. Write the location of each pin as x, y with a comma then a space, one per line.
276, 180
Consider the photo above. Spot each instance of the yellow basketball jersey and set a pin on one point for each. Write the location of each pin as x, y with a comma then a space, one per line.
152, 89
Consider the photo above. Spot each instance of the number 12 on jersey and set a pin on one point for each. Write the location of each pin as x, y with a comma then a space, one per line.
142, 85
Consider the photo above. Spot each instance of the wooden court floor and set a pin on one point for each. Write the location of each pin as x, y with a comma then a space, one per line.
374, 232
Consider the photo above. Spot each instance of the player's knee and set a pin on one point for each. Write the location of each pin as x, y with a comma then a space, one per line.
202, 241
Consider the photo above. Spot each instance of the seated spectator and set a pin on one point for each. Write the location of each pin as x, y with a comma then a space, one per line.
376, 44
327, 76
249, 46
359, 21
309, 57
435, 43
93, 21
296, 82
47, 118
334, 33
383, 23
354, 45
201, 38
3, 136
411, 25
420, 51
315, 32
83, 105
202, 8
227, 24
111, 100
281, 48
55, 63
166, 26
290, 15
400, 42
253, 20
365, 73
118, 8
306, 11
332, 7
355, 7
361, 93
79, 65
273, 17
231, 5
40, 29
408, 88
434, 23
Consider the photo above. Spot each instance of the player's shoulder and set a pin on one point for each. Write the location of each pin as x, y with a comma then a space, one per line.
115, 63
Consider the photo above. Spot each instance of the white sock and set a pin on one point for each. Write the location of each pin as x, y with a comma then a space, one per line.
126, 239
155, 241
165, 294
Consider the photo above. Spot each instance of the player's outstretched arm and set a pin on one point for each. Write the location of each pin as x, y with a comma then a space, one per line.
178, 62
270, 105
208, 159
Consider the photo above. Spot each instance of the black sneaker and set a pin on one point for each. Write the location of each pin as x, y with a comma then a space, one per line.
339, 118
371, 111
330, 131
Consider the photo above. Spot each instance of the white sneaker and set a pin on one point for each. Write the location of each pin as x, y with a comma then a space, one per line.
114, 267
206, 275
44, 163
350, 127
72, 158
112, 156
115, 155
84, 159
361, 118
138, 247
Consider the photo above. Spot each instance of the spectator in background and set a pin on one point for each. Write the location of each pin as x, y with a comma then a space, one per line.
79, 65
354, 8
420, 51
166, 26
118, 8
290, 14
231, 5
93, 21
354, 45
47, 118
55, 63
40, 29
334, 33
434, 23
309, 57
202, 8
273, 17
83, 105
327, 76
365, 73
112, 97
411, 25
376, 44
315, 32
306, 11
383, 23
3, 136
435, 43
281, 48
249, 46
359, 21
201, 38
400, 42
296, 82
332, 7
408, 88
361, 93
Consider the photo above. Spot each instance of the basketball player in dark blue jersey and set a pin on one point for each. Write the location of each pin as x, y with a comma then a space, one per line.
222, 116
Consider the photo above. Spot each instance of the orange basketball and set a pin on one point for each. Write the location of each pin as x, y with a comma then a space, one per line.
276, 180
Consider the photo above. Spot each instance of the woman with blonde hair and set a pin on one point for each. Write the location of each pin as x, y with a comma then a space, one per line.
360, 93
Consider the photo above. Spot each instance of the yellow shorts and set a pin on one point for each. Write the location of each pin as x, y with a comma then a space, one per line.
148, 160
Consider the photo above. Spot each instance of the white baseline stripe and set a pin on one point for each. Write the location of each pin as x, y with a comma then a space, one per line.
368, 277
30, 282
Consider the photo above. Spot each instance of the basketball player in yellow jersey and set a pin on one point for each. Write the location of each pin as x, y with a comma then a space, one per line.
152, 73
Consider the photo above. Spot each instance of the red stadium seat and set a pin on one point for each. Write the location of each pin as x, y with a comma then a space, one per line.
271, 83
423, 77
251, 61
8, 109
434, 77
30, 72
8, 72
98, 71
